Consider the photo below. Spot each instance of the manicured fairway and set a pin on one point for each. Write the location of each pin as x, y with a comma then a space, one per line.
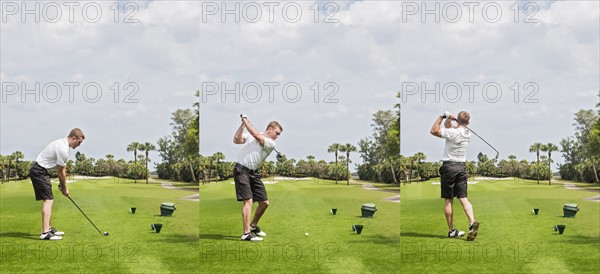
511, 238
132, 246
299, 207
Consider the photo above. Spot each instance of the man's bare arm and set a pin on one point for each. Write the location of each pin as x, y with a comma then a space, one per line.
238, 138
254, 132
448, 122
62, 178
436, 129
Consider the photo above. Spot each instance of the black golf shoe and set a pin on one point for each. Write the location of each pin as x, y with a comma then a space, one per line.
49, 236
256, 230
455, 233
56, 232
250, 237
473, 231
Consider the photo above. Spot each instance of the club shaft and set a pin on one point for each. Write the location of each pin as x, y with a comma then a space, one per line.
85, 215
497, 153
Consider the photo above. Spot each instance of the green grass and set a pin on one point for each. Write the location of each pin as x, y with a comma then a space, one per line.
132, 246
298, 207
205, 238
511, 239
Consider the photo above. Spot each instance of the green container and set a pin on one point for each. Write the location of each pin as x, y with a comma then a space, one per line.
570, 210
166, 209
368, 210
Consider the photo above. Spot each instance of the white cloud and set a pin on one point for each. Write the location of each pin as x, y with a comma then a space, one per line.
365, 58
152, 62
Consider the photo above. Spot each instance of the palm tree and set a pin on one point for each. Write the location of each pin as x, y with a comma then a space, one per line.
210, 165
348, 148
419, 156
311, 165
17, 155
335, 147
402, 166
111, 161
269, 167
410, 159
203, 168
543, 148
218, 156
190, 164
512, 162
536, 148
549, 148
9, 157
147, 147
471, 169
70, 168
134, 146
342, 161
391, 162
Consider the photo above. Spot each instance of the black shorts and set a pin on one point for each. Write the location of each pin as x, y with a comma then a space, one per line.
248, 184
40, 179
454, 180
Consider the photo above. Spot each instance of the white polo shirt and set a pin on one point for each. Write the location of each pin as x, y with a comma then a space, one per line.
457, 140
55, 154
252, 155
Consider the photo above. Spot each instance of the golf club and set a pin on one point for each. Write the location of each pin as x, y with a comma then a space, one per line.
497, 153
103, 234
279, 155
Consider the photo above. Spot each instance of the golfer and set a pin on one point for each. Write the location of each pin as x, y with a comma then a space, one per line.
454, 171
53, 156
248, 187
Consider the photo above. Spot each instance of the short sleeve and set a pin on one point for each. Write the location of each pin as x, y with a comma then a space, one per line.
269, 143
449, 133
62, 157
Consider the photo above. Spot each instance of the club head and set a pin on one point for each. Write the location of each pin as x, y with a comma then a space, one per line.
279, 155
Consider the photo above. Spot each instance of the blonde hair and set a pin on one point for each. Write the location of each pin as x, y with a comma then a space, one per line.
274, 124
76, 132
464, 117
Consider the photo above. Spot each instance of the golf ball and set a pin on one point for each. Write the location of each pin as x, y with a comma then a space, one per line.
306, 234
105, 233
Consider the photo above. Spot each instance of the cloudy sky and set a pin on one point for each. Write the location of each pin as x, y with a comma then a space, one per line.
151, 63
471, 57
320, 68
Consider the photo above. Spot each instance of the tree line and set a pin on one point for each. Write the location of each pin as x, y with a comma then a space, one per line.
178, 152
380, 154
582, 150
14, 168
414, 168
214, 168
581, 153
381, 160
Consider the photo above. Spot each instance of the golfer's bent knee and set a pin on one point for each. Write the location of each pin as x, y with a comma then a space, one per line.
265, 204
